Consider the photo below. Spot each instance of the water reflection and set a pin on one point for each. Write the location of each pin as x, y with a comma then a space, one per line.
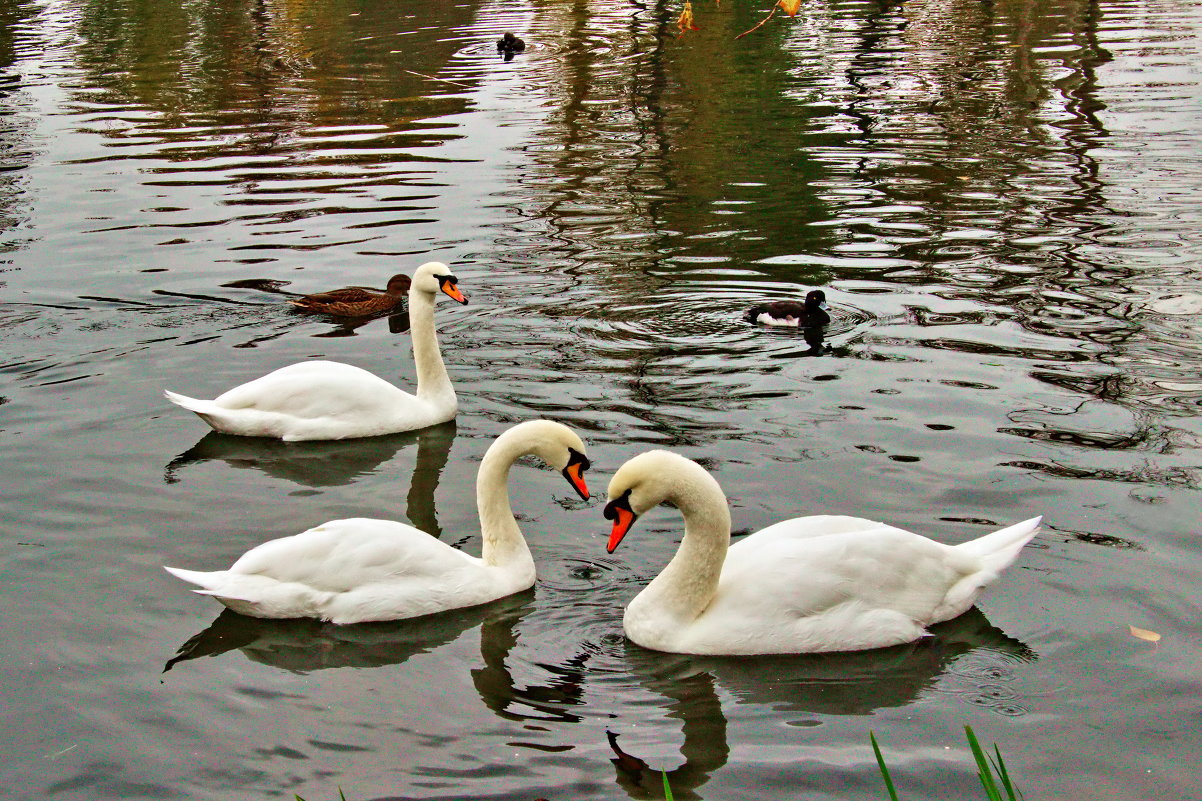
814, 338
807, 685
333, 462
558, 699
305, 646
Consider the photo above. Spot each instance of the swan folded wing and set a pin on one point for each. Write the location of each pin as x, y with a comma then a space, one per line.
344, 555
807, 575
799, 528
315, 389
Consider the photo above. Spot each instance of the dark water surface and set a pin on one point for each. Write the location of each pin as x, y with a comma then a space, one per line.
1001, 199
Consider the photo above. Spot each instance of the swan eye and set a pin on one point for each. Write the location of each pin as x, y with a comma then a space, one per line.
618, 504
577, 458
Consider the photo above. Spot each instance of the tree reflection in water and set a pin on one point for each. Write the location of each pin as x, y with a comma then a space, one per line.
332, 463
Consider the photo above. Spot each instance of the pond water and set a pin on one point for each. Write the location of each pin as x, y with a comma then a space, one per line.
1001, 200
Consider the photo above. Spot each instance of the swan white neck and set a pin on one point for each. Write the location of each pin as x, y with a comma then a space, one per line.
503, 542
433, 383
687, 585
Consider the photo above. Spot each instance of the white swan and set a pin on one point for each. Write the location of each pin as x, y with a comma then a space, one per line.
822, 583
358, 570
330, 400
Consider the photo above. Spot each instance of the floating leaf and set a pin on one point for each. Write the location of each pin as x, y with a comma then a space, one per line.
790, 7
1144, 634
685, 21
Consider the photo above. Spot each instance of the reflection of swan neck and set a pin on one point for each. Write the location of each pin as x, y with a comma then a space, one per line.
686, 586
433, 383
503, 542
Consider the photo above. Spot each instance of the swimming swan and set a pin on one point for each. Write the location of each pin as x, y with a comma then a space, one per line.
821, 583
330, 400
358, 570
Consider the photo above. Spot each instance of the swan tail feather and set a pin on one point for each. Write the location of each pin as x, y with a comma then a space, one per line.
208, 581
997, 550
216, 416
191, 404
221, 584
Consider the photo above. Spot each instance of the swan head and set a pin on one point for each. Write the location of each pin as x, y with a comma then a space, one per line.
650, 479
434, 277
554, 443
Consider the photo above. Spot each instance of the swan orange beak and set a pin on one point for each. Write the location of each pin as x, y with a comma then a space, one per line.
619, 511
450, 287
574, 473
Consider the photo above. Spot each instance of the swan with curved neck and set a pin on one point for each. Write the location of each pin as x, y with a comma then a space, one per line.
809, 584
319, 400
359, 569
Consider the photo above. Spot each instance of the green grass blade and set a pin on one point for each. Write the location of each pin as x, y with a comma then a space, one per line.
880, 760
667, 787
1000, 766
983, 769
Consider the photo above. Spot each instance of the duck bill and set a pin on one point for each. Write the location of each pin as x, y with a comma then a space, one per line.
451, 289
574, 473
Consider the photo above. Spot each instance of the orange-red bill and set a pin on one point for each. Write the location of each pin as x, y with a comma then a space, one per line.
451, 289
623, 519
619, 511
574, 473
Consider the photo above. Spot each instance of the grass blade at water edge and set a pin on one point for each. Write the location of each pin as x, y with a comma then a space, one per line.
1000, 766
983, 769
880, 760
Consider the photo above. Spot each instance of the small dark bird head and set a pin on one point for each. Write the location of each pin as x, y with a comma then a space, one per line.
510, 43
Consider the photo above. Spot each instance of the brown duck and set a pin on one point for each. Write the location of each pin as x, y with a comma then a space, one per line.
356, 301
